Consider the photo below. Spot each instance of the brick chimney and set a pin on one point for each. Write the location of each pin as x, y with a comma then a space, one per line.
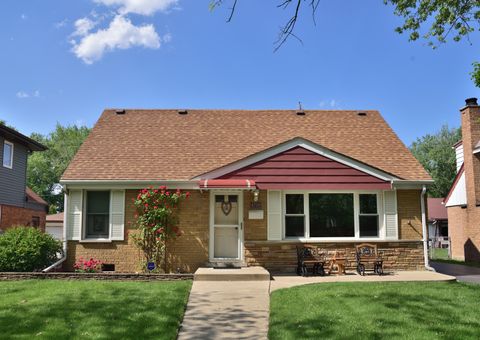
471, 137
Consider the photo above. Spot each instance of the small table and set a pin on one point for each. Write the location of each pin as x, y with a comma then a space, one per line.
336, 266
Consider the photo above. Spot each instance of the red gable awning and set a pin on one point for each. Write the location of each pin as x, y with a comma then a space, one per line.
226, 184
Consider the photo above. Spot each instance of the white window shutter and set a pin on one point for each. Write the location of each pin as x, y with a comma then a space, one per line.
74, 215
274, 206
391, 217
117, 215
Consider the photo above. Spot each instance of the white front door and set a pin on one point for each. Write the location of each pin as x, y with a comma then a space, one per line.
226, 211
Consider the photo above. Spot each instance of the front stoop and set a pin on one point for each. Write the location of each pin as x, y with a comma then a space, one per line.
232, 274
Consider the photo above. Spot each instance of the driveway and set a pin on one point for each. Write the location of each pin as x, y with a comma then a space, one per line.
463, 273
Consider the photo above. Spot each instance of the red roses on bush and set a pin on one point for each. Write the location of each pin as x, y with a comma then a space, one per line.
156, 221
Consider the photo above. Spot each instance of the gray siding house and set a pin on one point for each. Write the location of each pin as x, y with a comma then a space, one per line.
18, 204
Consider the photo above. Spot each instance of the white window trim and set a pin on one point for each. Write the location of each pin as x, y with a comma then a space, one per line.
356, 210
6, 142
84, 238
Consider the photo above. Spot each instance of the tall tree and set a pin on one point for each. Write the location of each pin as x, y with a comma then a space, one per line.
434, 20
45, 168
436, 155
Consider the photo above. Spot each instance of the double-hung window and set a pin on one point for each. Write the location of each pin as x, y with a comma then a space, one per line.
98, 215
294, 215
368, 215
7, 154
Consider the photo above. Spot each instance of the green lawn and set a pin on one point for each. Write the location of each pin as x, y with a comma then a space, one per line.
439, 254
376, 311
91, 309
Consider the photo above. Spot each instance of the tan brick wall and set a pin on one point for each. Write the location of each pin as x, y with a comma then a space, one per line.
187, 253
190, 250
255, 229
17, 216
457, 220
464, 224
409, 214
282, 257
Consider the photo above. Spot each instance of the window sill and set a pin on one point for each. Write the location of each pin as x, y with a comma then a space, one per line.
96, 240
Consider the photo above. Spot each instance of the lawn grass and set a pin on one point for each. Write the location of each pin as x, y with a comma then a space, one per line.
395, 310
439, 254
91, 309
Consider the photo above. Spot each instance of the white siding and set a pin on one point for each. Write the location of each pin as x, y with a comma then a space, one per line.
74, 215
459, 156
274, 206
117, 215
391, 218
459, 193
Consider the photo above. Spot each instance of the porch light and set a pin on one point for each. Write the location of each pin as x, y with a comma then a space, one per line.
256, 193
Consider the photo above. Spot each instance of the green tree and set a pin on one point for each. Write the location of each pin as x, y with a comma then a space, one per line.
435, 153
45, 168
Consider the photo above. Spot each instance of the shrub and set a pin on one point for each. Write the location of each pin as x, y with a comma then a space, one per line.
24, 249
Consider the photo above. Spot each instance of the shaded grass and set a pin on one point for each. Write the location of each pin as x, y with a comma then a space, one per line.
439, 254
91, 309
393, 310
463, 263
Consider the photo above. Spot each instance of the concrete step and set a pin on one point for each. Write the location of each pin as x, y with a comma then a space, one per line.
232, 274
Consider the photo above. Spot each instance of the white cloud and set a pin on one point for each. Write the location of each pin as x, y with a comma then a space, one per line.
142, 7
60, 24
121, 34
329, 103
83, 26
22, 94
167, 38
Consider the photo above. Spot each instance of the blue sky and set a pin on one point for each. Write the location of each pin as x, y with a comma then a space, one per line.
178, 54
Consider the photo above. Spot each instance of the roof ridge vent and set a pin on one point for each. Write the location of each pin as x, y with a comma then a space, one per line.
301, 113
361, 113
182, 112
120, 111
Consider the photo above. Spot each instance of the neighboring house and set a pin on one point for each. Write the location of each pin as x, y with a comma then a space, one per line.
437, 222
463, 200
54, 225
18, 204
329, 178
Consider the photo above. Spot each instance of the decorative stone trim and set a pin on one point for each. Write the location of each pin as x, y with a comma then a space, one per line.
282, 257
5, 276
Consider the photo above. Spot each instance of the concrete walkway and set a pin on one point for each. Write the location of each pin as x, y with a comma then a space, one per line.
463, 273
223, 306
287, 281
227, 310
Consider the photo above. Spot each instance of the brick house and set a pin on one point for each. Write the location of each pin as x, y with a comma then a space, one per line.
19, 205
261, 183
463, 200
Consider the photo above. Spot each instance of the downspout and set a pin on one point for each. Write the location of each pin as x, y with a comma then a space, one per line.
64, 241
424, 230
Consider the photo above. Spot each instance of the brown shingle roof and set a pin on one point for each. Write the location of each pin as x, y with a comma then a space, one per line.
164, 145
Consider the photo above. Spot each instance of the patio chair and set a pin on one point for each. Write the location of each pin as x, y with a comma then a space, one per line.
368, 259
313, 256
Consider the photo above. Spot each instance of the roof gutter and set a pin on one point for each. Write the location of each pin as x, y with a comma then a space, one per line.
64, 241
424, 230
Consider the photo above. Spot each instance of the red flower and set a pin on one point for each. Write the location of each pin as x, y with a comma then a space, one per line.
187, 194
